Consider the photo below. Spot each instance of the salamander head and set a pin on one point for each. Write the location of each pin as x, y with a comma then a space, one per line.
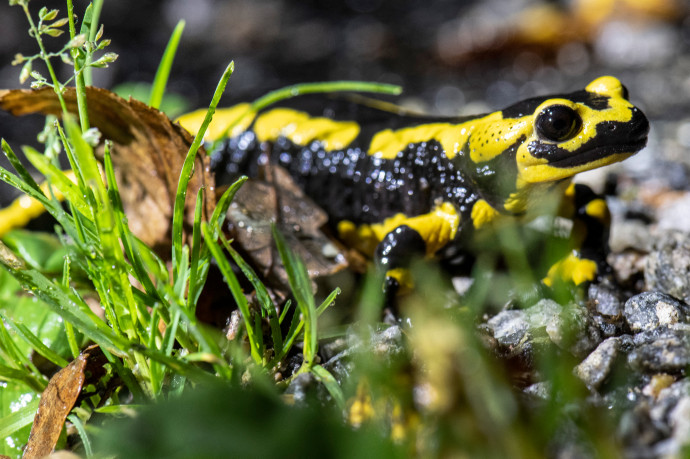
577, 132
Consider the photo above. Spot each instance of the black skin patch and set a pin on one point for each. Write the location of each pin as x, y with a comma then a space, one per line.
528, 106
495, 178
595, 242
351, 185
399, 247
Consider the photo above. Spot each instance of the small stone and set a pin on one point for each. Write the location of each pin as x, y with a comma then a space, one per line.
630, 234
667, 400
509, 327
650, 310
539, 390
572, 329
566, 326
668, 265
662, 351
606, 300
679, 420
628, 267
594, 370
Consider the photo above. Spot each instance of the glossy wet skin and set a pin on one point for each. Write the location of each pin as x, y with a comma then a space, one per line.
376, 171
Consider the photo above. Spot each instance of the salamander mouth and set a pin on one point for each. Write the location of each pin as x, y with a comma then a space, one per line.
596, 154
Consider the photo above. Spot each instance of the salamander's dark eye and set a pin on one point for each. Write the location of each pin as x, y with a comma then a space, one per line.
558, 123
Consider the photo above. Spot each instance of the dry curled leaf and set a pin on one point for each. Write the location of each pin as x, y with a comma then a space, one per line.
277, 199
148, 153
58, 399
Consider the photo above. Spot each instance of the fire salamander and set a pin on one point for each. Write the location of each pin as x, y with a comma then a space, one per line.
396, 184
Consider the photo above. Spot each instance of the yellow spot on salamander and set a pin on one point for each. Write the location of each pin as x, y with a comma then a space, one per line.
483, 213
302, 129
404, 278
598, 209
360, 407
437, 228
24, 209
607, 86
571, 269
570, 191
226, 122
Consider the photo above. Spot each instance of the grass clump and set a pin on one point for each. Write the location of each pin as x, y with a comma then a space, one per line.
149, 332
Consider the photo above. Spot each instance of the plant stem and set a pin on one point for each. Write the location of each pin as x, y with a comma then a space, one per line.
93, 31
79, 62
44, 55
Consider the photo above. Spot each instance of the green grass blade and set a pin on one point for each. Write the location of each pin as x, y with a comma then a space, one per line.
19, 419
85, 160
285, 310
310, 88
332, 386
301, 289
81, 430
58, 179
262, 295
129, 242
237, 293
185, 174
61, 302
161, 79
92, 26
194, 273
34, 342
331, 86
327, 302
18, 166
219, 213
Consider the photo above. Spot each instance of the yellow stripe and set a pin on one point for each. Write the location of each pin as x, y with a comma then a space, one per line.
437, 228
302, 129
483, 213
226, 122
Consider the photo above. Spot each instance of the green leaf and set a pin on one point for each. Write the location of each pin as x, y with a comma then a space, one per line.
42, 251
301, 289
69, 307
186, 172
17, 410
253, 335
163, 72
327, 379
59, 179
35, 342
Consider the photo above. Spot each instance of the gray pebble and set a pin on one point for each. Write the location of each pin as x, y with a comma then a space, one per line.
597, 366
605, 300
509, 327
650, 310
661, 351
566, 326
668, 265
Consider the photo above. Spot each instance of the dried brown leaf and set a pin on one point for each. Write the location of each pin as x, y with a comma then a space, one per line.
148, 153
277, 199
57, 400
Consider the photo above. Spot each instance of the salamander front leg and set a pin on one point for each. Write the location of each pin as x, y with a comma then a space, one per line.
590, 235
393, 255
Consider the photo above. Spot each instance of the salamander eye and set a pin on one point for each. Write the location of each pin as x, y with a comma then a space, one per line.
558, 123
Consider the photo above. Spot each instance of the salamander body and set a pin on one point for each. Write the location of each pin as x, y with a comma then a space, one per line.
396, 184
